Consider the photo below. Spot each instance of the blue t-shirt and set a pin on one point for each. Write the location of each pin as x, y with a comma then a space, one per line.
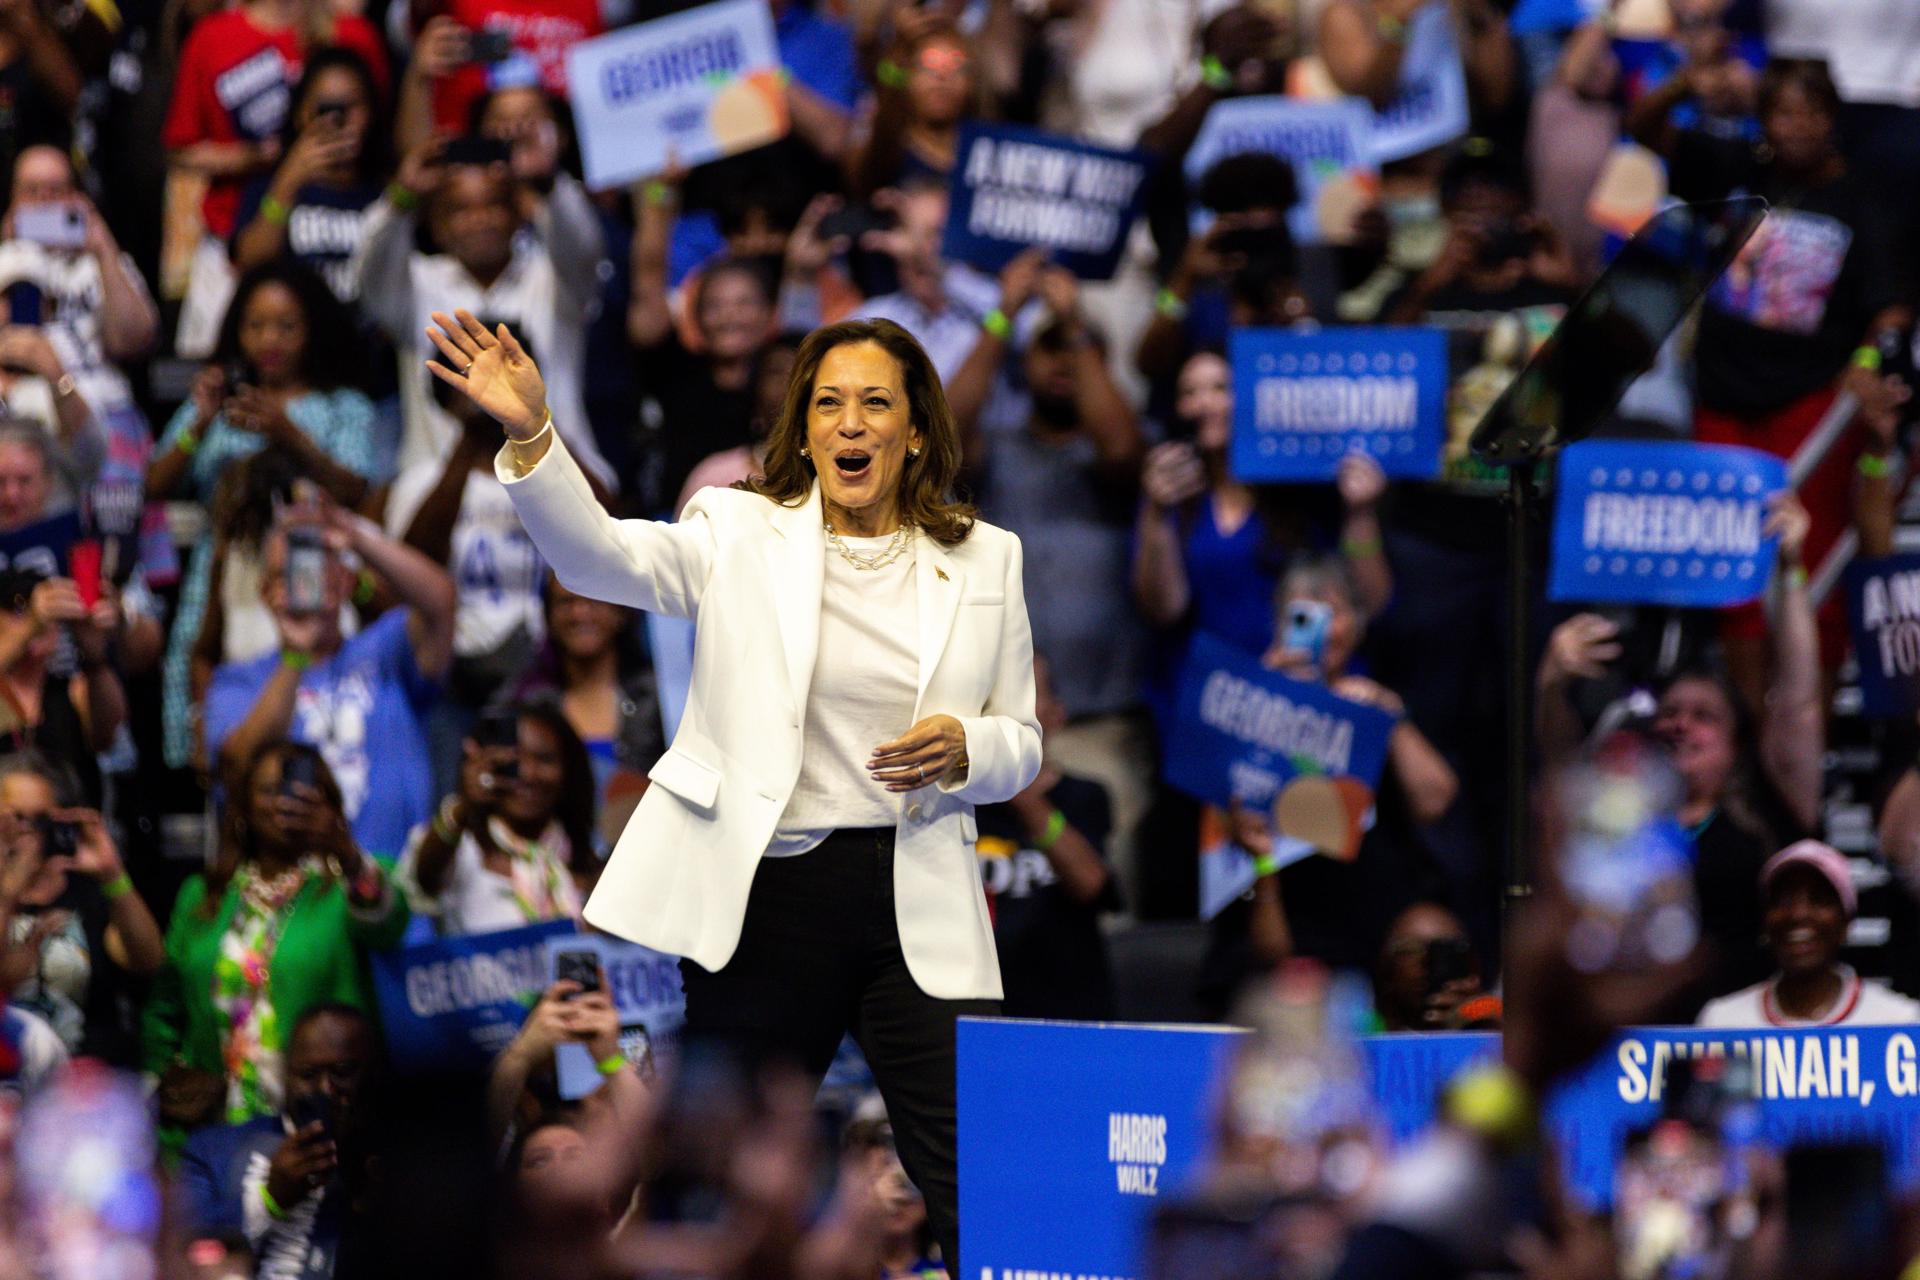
370, 692
323, 228
819, 53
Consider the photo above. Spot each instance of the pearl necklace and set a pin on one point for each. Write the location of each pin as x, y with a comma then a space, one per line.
870, 560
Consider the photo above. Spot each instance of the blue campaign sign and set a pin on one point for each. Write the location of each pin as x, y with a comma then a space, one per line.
689, 87
1329, 144
1883, 606
1242, 732
646, 991
1431, 106
1303, 401
454, 1003
1657, 523
1015, 189
1071, 1134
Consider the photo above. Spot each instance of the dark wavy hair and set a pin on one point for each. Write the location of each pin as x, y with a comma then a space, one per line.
331, 358
236, 835
375, 163
926, 488
577, 807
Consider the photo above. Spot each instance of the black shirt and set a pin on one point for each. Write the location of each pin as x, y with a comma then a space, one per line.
696, 418
1053, 957
1784, 319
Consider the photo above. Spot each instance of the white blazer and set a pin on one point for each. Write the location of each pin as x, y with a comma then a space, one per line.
749, 572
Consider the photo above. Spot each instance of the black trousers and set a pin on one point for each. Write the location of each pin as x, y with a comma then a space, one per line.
820, 956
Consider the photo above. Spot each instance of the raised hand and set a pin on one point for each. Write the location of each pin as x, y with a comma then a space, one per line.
492, 370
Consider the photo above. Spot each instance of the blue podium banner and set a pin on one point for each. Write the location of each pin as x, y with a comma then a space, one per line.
1883, 607
1242, 732
452, 1004
1015, 189
1303, 401
1072, 1133
1665, 524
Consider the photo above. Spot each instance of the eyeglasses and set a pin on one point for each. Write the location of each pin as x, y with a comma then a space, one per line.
940, 58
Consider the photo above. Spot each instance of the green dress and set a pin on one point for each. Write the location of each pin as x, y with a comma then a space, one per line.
236, 979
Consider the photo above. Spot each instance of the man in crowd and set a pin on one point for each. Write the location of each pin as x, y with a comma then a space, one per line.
352, 698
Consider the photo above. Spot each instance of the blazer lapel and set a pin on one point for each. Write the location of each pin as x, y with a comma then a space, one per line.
940, 582
799, 569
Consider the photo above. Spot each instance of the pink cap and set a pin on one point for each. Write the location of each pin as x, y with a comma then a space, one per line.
1825, 859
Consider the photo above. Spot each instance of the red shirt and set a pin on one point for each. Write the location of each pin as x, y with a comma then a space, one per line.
543, 30
235, 84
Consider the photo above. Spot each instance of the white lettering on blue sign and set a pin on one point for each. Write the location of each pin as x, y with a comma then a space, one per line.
1137, 1147
474, 982
1785, 1067
1267, 720
1670, 524
1363, 403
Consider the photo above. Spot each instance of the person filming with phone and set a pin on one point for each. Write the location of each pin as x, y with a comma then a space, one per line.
349, 697
287, 1182
513, 845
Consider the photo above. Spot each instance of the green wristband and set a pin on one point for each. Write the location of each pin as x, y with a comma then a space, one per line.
1874, 466
611, 1065
295, 660
118, 887
1214, 74
186, 442
1171, 305
274, 1210
1867, 357
890, 74
1264, 865
274, 211
996, 323
401, 198
1056, 823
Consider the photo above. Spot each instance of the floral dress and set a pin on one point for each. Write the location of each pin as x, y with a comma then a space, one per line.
251, 1043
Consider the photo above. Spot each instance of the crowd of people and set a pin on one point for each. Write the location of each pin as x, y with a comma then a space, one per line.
284, 683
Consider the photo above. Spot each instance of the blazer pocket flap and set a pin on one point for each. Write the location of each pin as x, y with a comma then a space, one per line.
681, 774
983, 597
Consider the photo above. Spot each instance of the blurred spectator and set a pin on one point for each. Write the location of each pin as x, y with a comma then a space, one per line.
455, 512
42, 78
1043, 859
275, 927
520, 1088
514, 844
595, 666
292, 1182
771, 368
928, 88
1573, 130
1209, 549
1747, 790
877, 1215
282, 375
705, 397
467, 48
545, 284
35, 387
1365, 42
1427, 976
59, 690
351, 698
1808, 899
335, 158
1706, 81
86, 924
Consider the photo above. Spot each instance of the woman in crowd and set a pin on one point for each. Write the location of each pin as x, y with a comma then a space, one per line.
747, 461
80, 911
1209, 548
514, 845
595, 667
282, 374
281, 922
928, 88
69, 715
1807, 899
337, 157
705, 395
1746, 790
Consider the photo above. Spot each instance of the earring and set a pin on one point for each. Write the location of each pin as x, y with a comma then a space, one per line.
913, 453
804, 453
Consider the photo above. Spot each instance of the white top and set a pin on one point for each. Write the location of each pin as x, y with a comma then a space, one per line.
478, 899
1871, 46
73, 294
494, 565
1861, 1004
866, 680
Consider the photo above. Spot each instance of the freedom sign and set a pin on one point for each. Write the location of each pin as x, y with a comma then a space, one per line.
1244, 733
1883, 607
1303, 401
1015, 189
1663, 523
687, 88
1329, 144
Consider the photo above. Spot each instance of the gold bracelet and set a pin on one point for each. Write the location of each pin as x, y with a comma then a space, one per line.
515, 447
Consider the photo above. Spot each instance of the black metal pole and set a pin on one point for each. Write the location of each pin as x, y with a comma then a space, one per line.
1519, 680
